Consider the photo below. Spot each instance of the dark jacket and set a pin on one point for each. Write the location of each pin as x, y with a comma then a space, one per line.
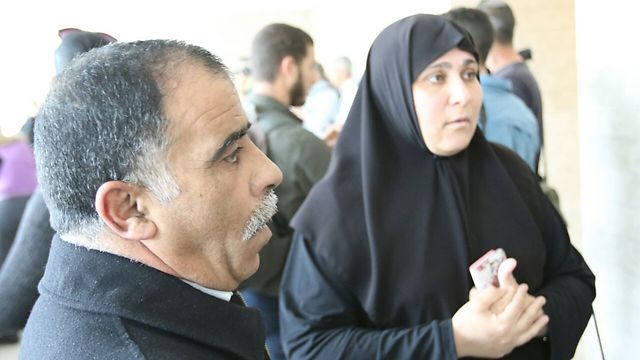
96, 305
322, 318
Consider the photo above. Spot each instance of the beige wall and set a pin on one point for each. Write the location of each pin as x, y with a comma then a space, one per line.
608, 88
554, 65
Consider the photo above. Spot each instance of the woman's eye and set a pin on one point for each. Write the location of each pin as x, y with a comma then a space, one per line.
470, 74
435, 78
233, 157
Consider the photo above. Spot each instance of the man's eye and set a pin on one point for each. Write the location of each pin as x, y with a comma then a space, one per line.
233, 158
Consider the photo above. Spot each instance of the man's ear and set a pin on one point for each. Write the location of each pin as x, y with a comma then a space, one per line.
117, 204
289, 69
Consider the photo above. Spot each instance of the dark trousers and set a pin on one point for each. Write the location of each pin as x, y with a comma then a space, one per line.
268, 306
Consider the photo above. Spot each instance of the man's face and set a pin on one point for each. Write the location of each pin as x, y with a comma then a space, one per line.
306, 78
223, 179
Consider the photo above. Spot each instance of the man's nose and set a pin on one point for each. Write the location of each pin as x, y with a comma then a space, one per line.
267, 175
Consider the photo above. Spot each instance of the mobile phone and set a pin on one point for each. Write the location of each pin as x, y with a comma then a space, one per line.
484, 271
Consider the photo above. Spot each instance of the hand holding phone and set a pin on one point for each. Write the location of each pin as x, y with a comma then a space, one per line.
484, 271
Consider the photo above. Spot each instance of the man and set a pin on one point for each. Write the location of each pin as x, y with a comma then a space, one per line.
160, 202
347, 87
321, 106
504, 61
508, 121
282, 59
342, 79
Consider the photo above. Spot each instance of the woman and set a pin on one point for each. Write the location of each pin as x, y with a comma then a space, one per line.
379, 263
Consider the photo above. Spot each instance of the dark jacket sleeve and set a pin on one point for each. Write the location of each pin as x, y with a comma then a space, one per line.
569, 288
321, 319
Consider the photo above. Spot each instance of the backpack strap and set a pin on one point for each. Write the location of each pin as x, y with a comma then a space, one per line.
258, 133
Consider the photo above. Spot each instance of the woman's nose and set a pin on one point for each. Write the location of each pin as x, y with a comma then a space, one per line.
459, 92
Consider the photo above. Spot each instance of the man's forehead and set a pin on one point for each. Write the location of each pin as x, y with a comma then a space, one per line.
185, 72
204, 101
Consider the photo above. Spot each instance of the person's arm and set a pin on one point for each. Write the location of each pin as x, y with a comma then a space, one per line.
320, 319
569, 288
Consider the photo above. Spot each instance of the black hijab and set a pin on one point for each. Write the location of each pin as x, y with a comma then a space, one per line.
398, 225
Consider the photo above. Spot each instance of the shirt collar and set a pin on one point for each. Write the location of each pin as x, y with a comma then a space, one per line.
222, 295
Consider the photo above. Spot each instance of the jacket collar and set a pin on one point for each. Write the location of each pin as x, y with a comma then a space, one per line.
109, 284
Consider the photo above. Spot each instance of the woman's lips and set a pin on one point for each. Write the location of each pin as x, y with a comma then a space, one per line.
458, 121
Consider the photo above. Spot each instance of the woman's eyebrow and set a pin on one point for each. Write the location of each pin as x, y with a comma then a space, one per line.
469, 62
443, 65
447, 65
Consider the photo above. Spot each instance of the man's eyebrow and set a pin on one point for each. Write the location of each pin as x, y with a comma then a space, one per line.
233, 137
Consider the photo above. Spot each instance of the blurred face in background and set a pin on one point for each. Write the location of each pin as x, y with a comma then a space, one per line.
305, 79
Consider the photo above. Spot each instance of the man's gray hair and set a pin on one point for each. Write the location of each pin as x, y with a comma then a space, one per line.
104, 120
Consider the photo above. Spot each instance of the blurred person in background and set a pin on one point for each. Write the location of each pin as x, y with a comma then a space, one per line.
17, 183
25, 261
505, 61
341, 76
282, 64
321, 106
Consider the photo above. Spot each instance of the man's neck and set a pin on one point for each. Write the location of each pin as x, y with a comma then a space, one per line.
501, 56
275, 90
130, 249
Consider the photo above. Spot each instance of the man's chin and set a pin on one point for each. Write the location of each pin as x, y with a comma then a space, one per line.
256, 243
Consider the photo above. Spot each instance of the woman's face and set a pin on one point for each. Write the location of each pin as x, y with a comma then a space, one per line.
447, 97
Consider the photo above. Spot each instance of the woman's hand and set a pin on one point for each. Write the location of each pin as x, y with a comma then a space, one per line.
496, 320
